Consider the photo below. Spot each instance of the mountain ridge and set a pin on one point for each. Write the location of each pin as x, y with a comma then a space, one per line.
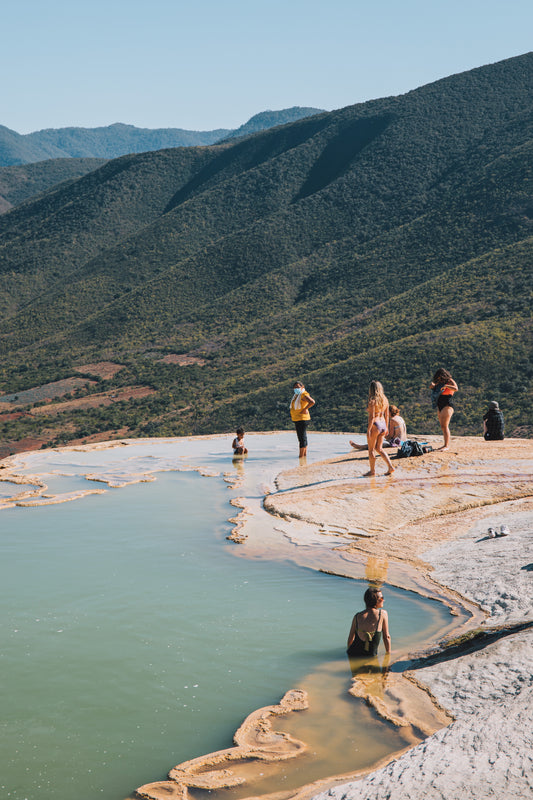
283, 254
113, 141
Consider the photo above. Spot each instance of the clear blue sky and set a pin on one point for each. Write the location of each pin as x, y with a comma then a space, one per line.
205, 64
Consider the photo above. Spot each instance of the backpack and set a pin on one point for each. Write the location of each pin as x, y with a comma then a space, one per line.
410, 448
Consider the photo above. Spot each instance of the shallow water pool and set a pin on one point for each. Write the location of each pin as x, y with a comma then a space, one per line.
134, 639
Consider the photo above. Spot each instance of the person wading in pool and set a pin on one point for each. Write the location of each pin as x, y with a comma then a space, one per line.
369, 627
300, 404
378, 425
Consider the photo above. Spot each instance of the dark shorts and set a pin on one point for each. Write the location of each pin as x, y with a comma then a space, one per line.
301, 431
444, 400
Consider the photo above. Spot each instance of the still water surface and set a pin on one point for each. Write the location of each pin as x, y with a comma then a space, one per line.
134, 639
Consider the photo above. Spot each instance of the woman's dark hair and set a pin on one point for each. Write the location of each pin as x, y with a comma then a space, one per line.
394, 410
441, 376
372, 597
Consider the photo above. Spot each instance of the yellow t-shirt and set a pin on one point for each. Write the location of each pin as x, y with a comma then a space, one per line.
298, 414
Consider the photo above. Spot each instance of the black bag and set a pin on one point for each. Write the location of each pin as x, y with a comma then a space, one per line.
410, 448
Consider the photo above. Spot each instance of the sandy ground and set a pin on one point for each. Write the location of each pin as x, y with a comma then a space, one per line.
95, 400
104, 369
434, 513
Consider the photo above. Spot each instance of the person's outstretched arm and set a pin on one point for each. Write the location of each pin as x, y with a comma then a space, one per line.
351, 635
385, 631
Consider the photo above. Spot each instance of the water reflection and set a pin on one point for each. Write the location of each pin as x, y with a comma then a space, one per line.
238, 466
371, 671
376, 570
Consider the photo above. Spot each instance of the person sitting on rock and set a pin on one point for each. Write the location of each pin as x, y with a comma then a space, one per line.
493, 423
396, 433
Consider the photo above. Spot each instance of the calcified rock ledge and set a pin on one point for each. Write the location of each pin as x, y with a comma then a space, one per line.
434, 513
255, 740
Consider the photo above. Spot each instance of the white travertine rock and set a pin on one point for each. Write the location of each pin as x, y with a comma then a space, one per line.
488, 751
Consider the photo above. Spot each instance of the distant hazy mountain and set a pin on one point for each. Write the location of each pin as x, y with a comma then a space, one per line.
108, 142
269, 119
118, 139
379, 241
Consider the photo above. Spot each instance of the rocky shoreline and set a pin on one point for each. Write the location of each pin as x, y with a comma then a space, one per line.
424, 528
434, 513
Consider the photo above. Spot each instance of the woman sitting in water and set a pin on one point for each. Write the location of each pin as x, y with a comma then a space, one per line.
378, 424
369, 626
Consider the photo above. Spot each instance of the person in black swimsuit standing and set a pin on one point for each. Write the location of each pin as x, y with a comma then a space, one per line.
443, 387
369, 627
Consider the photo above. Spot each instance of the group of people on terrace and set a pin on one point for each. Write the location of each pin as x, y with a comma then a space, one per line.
386, 427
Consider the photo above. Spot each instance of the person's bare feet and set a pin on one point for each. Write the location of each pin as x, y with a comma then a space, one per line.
358, 446
368, 474
443, 449
390, 471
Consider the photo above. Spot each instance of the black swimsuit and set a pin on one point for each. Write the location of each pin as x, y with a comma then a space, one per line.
444, 400
367, 647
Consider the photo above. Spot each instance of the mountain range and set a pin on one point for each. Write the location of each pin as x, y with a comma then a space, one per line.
34, 162
379, 241
119, 139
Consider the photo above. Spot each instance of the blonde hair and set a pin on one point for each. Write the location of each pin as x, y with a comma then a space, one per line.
376, 397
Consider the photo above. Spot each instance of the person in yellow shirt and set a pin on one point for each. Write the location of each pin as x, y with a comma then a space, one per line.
300, 404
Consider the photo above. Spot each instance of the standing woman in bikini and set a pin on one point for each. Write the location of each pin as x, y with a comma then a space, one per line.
369, 626
443, 387
378, 425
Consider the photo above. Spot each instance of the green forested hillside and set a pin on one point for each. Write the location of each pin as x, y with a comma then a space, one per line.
41, 160
24, 181
378, 241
